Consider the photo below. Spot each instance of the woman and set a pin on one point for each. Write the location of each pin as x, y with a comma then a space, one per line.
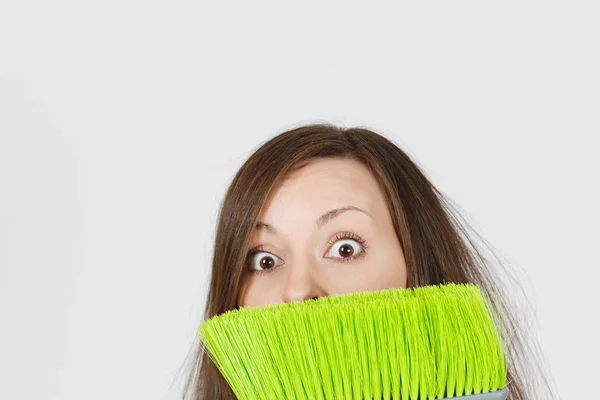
322, 210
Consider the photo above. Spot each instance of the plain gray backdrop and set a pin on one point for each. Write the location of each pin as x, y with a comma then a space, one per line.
122, 123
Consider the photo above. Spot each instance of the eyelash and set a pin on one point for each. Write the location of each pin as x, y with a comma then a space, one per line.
338, 236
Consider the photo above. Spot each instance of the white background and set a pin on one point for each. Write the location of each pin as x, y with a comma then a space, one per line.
122, 122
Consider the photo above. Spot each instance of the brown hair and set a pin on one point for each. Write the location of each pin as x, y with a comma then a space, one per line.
435, 243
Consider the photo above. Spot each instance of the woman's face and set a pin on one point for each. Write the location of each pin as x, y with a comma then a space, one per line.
306, 250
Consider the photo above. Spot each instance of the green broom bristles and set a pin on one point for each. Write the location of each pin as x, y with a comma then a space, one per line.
421, 343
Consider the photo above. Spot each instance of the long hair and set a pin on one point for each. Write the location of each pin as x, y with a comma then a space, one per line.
433, 235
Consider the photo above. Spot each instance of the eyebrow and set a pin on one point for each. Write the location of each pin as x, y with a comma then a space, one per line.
322, 220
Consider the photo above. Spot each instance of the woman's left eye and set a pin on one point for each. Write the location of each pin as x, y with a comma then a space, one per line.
347, 248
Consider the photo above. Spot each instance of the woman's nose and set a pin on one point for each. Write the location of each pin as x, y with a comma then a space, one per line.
302, 283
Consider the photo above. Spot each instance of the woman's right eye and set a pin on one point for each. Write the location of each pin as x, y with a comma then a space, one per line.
265, 263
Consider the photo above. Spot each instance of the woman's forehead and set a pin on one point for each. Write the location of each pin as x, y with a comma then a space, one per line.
323, 185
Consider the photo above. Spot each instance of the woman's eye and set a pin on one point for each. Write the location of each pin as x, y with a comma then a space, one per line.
266, 261
346, 249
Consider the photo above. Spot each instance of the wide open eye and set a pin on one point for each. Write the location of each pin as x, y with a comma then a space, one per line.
346, 249
346, 246
261, 261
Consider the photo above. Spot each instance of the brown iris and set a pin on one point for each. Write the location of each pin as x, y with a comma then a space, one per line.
269, 263
346, 250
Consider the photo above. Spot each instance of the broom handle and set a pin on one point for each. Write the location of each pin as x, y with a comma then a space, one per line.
495, 395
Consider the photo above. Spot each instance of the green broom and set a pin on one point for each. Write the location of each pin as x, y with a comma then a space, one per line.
430, 342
